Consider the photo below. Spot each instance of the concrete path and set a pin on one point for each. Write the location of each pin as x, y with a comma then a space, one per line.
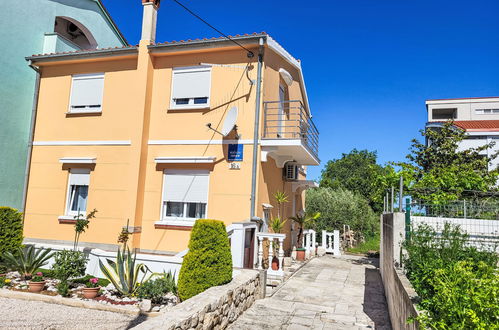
327, 293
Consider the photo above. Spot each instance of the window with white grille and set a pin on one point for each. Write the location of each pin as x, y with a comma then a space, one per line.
191, 87
86, 93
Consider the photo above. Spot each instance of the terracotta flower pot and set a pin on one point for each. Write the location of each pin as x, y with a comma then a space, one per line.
91, 293
300, 255
36, 286
275, 263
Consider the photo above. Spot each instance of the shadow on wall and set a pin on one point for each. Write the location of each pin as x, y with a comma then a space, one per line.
374, 299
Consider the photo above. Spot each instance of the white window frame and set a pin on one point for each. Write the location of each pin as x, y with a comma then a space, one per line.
69, 197
88, 108
190, 104
491, 111
182, 221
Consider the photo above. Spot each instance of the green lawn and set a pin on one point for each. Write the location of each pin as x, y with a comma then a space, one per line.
370, 246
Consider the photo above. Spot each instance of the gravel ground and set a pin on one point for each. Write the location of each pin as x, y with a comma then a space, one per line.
23, 314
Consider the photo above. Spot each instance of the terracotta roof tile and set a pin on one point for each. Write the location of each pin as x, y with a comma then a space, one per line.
478, 125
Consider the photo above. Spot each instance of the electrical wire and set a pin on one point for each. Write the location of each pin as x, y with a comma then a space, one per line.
250, 53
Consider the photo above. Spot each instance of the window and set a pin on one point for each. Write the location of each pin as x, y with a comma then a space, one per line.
185, 194
487, 111
444, 113
86, 93
77, 191
191, 87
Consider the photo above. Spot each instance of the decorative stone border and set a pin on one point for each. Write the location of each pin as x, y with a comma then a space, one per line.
130, 310
216, 307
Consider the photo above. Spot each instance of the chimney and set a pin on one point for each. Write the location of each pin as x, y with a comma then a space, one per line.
149, 19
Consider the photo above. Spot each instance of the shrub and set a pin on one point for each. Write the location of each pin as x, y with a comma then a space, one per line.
465, 296
340, 207
428, 251
208, 262
157, 288
11, 230
63, 288
26, 261
457, 283
69, 264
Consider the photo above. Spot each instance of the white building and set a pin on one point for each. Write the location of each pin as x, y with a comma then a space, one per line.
479, 117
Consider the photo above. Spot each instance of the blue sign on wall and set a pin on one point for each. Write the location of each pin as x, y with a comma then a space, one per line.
235, 152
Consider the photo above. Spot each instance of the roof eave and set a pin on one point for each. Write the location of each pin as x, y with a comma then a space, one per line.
83, 55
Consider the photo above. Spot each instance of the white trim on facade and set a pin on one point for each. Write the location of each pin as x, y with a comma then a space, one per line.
180, 222
84, 143
78, 160
198, 142
185, 160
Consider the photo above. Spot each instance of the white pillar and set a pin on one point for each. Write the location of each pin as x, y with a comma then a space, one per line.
336, 248
281, 254
271, 252
260, 252
324, 240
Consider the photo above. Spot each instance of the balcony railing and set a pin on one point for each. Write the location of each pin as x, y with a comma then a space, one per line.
289, 120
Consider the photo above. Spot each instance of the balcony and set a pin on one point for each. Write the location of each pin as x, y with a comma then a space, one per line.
289, 134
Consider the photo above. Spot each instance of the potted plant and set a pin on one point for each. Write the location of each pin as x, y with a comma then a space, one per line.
276, 226
92, 289
37, 283
303, 219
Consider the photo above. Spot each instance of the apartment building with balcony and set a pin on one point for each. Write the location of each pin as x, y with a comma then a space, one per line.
478, 117
31, 27
140, 134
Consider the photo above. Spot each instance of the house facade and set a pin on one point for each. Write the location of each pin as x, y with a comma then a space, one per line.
479, 117
162, 134
34, 27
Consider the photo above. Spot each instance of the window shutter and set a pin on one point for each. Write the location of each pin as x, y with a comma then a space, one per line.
87, 90
79, 176
186, 186
191, 82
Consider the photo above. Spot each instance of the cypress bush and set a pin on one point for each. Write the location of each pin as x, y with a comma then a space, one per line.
11, 230
209, 260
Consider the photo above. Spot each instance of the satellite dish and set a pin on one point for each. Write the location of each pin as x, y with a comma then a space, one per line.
230, 121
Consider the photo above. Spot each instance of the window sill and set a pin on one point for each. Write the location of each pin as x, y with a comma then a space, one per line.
175, 224
84, 113
68, 219
190, 108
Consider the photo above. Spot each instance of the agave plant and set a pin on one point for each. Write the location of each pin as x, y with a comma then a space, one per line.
124, 274
26, 261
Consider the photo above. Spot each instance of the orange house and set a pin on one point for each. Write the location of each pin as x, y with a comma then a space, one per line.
162, 134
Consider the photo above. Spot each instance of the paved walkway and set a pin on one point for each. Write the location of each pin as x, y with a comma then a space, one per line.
327, 293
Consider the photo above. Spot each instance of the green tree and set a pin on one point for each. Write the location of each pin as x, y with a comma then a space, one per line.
340, 207
358, 172
439, 171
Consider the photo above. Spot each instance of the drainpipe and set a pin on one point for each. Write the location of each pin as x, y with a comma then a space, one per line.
31, 136
257, 129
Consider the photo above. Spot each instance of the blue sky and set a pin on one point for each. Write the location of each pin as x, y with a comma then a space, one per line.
369, 65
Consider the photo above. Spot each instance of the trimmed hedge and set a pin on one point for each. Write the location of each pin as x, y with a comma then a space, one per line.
11, 230
209, 260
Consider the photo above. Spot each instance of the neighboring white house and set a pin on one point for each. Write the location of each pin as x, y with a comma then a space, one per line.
479, 117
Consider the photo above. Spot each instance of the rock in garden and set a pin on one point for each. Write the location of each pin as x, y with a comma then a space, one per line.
145, 305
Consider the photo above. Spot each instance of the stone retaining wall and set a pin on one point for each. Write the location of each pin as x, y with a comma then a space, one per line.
214, 308
400, 295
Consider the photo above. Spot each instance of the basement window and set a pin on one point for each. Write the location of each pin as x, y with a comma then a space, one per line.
191, 87
86, 93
